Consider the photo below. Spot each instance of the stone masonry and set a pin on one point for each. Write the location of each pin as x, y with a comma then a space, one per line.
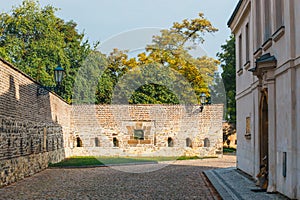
31, 126
167, 130
39, 129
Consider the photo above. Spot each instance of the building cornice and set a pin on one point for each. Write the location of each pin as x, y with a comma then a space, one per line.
241, 11
234, 13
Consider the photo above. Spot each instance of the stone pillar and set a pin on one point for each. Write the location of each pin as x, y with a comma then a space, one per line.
272, 131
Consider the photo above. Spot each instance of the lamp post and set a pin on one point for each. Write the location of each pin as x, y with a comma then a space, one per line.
202, 100
59, 73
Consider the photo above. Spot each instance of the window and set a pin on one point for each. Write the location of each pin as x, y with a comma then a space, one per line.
189, 142
240, 62
115, 142
267, 21
78, 142
258, 23
138, 135
279, 13
206, 142
97, 142
170, 142
247, 42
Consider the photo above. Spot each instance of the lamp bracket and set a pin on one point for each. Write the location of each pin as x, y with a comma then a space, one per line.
43, 90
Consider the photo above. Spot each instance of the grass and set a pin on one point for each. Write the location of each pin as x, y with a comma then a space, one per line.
229, 150
79, 161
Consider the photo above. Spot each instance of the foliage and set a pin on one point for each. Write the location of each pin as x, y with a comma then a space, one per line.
87, 79
36, 41
178, 77
227, 58
171, 49
217, 90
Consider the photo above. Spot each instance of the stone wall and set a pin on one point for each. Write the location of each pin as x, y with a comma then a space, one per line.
31, 126
167, 130
39, 129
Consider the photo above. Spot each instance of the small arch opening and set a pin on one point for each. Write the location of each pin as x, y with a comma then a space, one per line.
115, 142
206, 142
78, 142
188, 142
170, 142
97, 142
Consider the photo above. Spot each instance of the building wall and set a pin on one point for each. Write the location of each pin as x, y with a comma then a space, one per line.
298, 122
282, 84
245, 148
102, 123
31, 126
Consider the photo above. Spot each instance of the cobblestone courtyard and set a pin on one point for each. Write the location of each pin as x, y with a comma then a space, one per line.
179, 180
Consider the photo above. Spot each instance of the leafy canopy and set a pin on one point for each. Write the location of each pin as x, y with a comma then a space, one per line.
227, 58
36, 41
168, 52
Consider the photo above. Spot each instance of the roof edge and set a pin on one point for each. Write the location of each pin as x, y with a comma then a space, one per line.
234, 13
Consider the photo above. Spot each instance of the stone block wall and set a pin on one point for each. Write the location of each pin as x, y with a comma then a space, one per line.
31, 126
39, 129
167, 130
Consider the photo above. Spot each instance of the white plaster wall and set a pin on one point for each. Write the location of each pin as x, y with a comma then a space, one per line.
298, 128
245, 148
280, 50
297, 27
284, 134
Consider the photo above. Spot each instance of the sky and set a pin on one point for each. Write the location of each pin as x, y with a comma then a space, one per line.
129, 24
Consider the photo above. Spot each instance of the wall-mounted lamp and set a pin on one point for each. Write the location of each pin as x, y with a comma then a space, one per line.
59, 73
202, 101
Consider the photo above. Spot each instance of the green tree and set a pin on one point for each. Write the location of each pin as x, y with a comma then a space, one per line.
227, 58
171, 49
166, 73
33, 39
87, 79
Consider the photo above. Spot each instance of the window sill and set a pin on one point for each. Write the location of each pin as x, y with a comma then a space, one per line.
257, 53
240, 71
278, 34
248, 136
267, 44
247, 65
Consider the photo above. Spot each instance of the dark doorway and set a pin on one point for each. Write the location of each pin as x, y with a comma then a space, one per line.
206, 142
170, 142
188, 142
97, 142
264, 130
78, 142
115, 142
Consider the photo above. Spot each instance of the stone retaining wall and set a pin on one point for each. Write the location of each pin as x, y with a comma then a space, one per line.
38, 129
31, 126
109, 130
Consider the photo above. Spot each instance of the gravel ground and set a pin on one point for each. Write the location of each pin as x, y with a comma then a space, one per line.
178, 180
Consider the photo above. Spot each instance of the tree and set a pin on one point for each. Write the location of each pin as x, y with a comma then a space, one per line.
227, 58
171, 49
165, 74
33, 39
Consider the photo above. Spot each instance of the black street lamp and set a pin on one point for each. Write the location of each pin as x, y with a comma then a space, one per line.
59, 73
202, 100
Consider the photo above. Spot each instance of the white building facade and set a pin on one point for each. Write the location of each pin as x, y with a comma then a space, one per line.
267, 36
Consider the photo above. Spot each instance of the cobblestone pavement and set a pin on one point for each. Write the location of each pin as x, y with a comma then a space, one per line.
179, 180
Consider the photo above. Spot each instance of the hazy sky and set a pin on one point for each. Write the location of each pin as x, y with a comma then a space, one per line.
104, 19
